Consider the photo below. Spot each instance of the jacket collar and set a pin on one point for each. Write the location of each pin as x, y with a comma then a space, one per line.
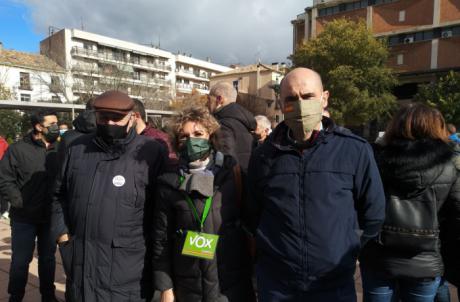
29, 138
281, 138
118, 148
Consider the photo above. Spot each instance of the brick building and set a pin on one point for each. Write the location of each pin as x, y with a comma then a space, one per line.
423, 35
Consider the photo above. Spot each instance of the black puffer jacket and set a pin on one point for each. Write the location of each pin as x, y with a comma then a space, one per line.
420, 178
225, 278
103, 200
85, 123
234, 136
27, 173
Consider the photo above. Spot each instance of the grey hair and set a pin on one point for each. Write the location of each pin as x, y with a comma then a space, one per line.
264, 121
224, 90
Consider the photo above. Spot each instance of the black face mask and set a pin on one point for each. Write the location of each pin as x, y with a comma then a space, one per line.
111, 133
52, 134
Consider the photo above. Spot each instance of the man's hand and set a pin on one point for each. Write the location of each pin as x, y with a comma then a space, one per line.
63, 239
167, 296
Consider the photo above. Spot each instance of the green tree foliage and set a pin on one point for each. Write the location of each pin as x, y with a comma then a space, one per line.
10, 123
444, 95
351, 63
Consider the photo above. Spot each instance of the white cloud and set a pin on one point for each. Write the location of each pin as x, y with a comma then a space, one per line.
228, 31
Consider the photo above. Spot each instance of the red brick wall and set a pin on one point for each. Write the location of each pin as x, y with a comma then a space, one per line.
417, 56
450, 10
449, 52
386, 16
352, 15
54, 48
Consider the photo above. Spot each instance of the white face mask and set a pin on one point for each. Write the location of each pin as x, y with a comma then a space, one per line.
303, 115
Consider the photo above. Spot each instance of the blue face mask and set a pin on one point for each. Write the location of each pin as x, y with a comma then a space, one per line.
62, 131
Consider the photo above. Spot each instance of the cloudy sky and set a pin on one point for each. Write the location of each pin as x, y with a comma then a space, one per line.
228, 31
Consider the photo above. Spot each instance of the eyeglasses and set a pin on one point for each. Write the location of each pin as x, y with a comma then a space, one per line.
104, 117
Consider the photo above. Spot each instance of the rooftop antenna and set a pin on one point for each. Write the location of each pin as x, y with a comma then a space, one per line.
159, 40
81, 23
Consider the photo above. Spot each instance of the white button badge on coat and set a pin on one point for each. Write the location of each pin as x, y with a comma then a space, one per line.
118, 181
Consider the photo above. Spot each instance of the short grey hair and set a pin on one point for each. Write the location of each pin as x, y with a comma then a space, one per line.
224, 90
263, 121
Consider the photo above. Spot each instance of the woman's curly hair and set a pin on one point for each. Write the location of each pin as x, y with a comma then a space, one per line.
197, 114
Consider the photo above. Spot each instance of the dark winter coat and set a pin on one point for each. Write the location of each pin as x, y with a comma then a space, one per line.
227, 276
85, 123
418, 177
314, 204
103, 200
27, 174
234, 136
162, 138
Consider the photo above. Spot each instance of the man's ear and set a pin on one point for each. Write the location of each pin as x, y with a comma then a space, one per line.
219, 100
137, 115
38, 128
325, 98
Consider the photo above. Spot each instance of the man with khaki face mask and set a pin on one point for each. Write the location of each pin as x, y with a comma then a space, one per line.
316, 198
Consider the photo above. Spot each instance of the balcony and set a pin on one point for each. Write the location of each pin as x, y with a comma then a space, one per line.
121, 76
192, 74
117, 58
183, 87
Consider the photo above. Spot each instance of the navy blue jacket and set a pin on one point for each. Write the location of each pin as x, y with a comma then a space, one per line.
314, 208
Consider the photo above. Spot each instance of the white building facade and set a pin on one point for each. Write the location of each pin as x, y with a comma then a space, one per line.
97, 63
30, 77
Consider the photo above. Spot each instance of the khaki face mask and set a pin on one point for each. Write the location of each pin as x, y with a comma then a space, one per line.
303, 116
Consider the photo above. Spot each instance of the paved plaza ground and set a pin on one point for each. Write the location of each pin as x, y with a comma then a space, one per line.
32, 291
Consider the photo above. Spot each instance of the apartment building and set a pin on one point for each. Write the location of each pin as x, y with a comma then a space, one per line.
98, 63
195, 74
30, 77
256, 87
423, 35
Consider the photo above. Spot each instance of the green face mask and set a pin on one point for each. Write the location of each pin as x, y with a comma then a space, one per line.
196, 148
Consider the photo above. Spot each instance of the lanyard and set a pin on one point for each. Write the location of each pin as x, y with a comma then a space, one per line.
207, 208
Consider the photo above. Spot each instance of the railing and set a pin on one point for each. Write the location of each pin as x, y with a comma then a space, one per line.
117, 58
202, 75
184, 86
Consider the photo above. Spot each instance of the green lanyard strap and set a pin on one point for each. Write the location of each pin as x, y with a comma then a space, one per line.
207, 207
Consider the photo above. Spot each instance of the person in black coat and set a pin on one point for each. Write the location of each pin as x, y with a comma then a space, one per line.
236, 123
420, 180
85, 123
27, 173
206, 177
103, 207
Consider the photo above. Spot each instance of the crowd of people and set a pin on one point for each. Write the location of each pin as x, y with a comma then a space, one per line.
225, 209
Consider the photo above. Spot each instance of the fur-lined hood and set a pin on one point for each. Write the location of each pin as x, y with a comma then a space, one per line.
418, 162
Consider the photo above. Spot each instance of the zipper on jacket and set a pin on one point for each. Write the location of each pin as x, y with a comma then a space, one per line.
302, 214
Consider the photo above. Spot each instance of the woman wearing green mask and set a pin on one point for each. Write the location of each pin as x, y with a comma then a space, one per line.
200, 252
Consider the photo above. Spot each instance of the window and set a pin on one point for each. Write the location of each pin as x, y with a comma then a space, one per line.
25, 97
135, 59
402, 16
136, 75
393, 40
24, 81
400, 59
235, 85
55, 99
87, 46
54, 87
